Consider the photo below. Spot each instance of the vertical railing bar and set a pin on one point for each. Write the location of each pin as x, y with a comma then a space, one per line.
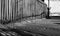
21, 13
1, 11
3, 8
12, 12
35, 9
11, 15
13, 9
22, 8
8, 9
17, 7
30, 11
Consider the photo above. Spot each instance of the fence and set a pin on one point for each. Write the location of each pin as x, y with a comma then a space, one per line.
14, 9
7, 9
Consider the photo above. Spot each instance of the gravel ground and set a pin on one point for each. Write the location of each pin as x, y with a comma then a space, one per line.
45, 27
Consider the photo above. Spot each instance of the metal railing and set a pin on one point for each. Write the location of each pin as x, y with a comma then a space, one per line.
9, 9
14, 9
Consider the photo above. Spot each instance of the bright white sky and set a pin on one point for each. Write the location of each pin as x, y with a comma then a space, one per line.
55, 6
